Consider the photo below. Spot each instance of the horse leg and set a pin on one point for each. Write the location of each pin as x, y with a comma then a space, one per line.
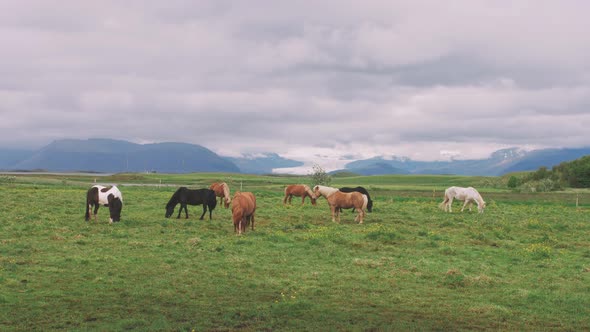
96, 212
210, 211
465, 204
450, 204
179, 211
361, 215
333, 209
303, 199
285, 199
204, 211
185, 212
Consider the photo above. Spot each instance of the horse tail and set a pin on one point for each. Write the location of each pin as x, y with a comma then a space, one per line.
87, 216
365, 202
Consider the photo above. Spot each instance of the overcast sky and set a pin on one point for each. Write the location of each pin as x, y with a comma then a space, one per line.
319, 81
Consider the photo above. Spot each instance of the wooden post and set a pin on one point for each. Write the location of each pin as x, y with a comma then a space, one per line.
577, 200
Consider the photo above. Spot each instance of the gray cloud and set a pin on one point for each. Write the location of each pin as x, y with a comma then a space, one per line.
304, 79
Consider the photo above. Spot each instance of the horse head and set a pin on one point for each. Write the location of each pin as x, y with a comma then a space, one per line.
481, 206
115, 207
169, 210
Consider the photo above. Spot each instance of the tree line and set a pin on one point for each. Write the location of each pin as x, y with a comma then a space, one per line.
573, 174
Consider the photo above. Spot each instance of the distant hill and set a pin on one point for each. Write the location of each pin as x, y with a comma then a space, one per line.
262, 164
106, 155
547, 158
9, 157
500, 162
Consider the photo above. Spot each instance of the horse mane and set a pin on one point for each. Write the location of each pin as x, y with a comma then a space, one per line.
325, 191
226, 192
309, 191
478, 198
174, 199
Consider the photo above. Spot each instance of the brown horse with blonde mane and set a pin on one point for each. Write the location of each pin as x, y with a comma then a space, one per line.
243, 207
299, 190
337, 199
221, 190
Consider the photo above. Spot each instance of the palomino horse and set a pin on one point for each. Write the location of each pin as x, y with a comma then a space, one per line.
299, 190
221, 190
106, 196
184, 196
337, 199
243, 207
362, 191
469, 195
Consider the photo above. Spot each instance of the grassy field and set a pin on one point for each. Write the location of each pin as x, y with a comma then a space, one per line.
522, 265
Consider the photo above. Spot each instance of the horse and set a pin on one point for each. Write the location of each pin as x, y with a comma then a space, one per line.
299, 190
362, 191
243, 207
222, 191
185, 196
337, 199
106, 196
469, 195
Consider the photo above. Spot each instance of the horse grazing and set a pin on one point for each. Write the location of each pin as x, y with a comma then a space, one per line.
337, 199
362, 191
299, 190
106, 196
469, 195
185, 196
222, 190
243, 207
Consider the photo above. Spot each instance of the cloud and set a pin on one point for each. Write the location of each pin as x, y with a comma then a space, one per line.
320, 81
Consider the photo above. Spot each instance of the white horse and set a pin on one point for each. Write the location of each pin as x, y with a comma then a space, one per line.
468, 195
337, 199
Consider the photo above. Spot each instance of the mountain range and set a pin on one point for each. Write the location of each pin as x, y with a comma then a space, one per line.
500, 162
114, 156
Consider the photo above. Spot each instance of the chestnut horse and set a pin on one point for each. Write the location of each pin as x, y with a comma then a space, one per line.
337, 199
243, 207
221, 190
299, 190
469, 195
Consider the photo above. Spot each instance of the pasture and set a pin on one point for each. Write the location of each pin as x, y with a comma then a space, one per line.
524, 264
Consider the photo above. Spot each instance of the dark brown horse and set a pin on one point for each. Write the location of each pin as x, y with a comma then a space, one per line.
185, 196
299, 190
221, 190
337, 199
243, 207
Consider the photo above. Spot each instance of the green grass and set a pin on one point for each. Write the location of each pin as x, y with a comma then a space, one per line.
522, 265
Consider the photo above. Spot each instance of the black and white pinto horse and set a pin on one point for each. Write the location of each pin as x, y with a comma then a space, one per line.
185, 196
105, 196
362, 191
